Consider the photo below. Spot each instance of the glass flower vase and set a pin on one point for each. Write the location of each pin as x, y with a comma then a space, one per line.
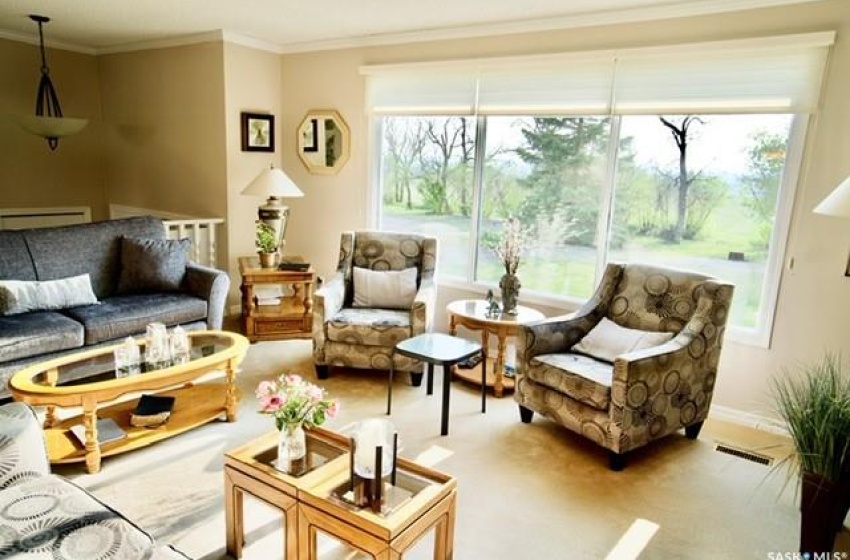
291, 449
509, 285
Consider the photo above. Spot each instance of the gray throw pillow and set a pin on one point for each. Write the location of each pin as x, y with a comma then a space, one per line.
152, 265
21, 296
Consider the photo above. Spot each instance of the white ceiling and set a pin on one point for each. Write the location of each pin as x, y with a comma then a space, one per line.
291, 25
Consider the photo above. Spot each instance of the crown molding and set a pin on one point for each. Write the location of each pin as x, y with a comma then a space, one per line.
632, 15
33, 40
252, 42
166, 43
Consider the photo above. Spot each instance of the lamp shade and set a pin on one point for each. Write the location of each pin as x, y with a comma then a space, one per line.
273, 182
51, 127
837, 203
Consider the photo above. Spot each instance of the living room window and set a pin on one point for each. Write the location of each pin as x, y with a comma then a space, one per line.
585, 152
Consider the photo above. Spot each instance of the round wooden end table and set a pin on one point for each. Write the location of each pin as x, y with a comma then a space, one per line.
472, 314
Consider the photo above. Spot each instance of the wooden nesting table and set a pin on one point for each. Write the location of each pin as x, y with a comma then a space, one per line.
57, 383
309, 506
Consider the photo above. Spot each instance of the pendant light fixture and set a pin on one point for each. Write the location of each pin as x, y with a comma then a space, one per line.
48, 121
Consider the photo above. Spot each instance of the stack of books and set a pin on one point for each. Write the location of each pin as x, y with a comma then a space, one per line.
267, 295
152, 411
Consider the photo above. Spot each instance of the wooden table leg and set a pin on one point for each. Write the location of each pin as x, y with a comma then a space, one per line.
499, 369
92, 446
308, 298
233, 517
230, 391
248, 309
49, 416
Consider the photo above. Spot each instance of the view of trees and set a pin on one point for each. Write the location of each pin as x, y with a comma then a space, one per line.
677, 192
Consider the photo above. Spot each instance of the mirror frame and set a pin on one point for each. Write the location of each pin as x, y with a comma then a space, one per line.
303, 151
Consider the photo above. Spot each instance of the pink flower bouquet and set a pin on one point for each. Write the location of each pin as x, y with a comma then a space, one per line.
295, 402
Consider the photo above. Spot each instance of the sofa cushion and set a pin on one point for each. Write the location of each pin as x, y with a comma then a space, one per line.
39, 332
370, 327
152, 265
21, 296
58, 252
121, 316
15, 260
579, 377
49, 517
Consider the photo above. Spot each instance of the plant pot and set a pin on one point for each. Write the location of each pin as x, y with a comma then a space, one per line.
267, 260
821, 503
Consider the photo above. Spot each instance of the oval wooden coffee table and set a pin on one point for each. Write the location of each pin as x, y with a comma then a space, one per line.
472, 314
58, 383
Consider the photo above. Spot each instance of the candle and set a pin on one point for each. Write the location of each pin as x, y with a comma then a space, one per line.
370, 435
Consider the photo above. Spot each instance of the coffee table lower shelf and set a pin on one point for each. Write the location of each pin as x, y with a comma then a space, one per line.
473, 375
194, 406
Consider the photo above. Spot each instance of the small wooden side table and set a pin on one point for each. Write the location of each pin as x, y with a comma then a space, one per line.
472, 314
291, 318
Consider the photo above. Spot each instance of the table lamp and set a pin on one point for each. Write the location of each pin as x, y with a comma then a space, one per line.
274, 184
837, 203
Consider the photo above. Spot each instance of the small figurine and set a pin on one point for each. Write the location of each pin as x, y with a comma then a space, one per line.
493, 309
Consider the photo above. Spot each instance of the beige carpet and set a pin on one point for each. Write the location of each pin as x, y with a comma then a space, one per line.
525, 491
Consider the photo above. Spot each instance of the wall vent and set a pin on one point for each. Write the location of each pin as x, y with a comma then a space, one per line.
744, 454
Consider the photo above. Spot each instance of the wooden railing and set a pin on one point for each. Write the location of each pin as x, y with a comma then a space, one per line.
202, 233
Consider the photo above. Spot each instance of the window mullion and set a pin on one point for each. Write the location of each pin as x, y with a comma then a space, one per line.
477, 193
606, 203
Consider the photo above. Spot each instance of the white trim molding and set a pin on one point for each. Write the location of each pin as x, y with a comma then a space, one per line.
748, 419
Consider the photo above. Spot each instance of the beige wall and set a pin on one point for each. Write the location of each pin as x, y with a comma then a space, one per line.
814, 305
30, 174
164, 134
252, 84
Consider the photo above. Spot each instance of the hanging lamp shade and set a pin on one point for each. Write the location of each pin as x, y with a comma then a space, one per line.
837, 203
48, 121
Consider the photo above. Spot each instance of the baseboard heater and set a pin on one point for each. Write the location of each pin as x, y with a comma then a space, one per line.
23, 218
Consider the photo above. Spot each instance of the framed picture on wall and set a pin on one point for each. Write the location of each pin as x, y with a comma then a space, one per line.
257, 132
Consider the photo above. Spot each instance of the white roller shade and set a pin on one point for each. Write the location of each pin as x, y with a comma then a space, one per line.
759, 75
772, 74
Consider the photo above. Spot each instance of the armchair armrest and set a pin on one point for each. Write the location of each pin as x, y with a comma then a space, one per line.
211, 285
23, 453
422, 310
327, 301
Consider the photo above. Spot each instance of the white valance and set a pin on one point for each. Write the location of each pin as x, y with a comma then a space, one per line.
767, 75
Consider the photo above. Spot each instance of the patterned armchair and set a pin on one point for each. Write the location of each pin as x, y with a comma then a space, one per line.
358, 337
645, 394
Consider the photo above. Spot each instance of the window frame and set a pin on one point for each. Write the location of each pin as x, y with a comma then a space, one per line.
759, 336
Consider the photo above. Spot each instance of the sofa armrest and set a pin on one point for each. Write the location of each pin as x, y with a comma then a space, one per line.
211, 285
327, 301
422, 310
23, 453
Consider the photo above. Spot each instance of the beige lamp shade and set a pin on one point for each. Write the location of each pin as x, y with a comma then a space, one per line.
838, 201
273, 182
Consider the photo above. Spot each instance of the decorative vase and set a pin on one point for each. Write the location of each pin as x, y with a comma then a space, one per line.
291, 449
821, 501
267, 260
509, 285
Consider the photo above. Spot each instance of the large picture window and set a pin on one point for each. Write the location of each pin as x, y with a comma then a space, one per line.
684, 157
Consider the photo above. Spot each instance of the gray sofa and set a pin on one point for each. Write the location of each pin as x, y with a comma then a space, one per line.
95, 248
43, 515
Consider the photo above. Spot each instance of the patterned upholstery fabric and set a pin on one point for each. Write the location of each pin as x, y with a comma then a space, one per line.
653, 392
121, 316
43, 516
38, 332
363, 338
372, 327
583, 378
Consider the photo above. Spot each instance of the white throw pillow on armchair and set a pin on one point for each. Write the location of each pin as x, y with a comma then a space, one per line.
607, 340
387, 289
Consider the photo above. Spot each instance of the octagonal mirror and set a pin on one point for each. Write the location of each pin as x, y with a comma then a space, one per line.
323, 142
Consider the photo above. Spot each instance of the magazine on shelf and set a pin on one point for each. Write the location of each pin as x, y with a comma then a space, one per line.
108, 431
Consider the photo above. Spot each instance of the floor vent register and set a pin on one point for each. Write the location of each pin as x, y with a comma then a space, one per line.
744, 454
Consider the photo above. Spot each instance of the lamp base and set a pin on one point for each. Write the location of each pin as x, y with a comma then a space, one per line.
275, 214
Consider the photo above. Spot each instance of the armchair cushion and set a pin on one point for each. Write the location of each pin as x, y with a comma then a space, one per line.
369, 327
581, 377
607, 340
388, 289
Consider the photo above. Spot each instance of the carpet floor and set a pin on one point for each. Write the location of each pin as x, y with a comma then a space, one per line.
524, 491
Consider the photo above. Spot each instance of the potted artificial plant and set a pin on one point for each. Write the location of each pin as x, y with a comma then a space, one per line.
815, 404
266, 242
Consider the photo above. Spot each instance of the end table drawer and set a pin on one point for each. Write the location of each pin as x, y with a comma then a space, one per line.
281, 326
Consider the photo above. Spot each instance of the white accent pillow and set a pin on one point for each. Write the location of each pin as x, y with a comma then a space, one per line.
387, 289
607, 340
20, 296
